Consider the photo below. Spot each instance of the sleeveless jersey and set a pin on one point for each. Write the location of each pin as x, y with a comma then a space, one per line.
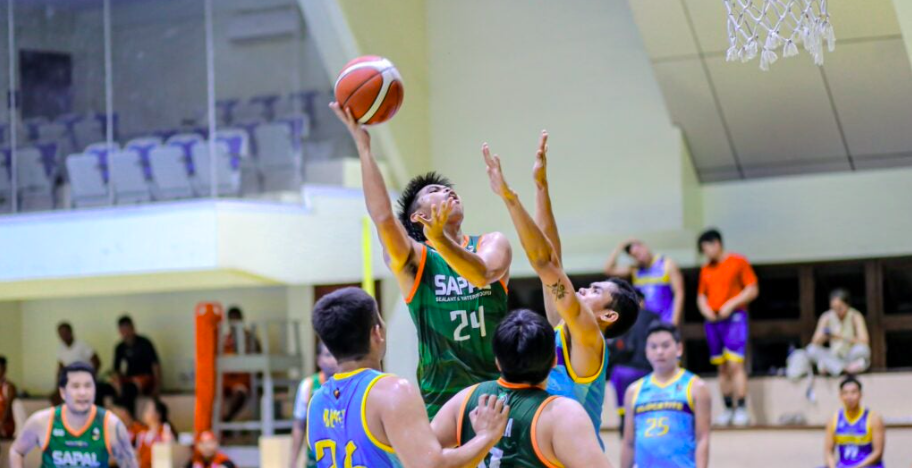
588, 391
654, 282
665, 434
337, 431
455, 322
65, 446
854, 439
518, 447
316, 381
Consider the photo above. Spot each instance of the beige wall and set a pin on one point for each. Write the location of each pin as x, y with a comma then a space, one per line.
167, 319
816, 217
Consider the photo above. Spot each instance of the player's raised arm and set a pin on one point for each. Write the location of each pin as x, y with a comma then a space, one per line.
490, 264
544, 218
584, 328
405, 422
398, 245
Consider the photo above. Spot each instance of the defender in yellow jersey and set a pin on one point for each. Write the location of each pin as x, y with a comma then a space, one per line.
543, 430
362, 417
76, 433
455, 285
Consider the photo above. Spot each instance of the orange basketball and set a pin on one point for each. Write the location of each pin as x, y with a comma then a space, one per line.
371, 87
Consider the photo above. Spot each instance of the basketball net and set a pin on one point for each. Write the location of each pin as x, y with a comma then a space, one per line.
763, 26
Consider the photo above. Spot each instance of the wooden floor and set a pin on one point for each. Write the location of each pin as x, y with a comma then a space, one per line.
779, 448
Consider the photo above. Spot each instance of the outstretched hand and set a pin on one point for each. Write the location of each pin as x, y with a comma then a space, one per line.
495, 174
540, 168
434, 226
357, 131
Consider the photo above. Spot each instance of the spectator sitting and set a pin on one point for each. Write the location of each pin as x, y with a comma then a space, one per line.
207, 454
843, 329
236, 386
7, 395
134, 427
136, 366
155, 417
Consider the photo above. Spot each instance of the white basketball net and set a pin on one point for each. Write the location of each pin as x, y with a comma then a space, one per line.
763, 26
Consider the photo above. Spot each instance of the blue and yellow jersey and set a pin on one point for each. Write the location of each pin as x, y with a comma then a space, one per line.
337, 431
589, 391
854, 439
654, 282
664, 426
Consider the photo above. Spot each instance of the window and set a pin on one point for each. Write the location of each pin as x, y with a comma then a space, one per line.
898, 355
779, 293
696, 357
897, 287
768, 355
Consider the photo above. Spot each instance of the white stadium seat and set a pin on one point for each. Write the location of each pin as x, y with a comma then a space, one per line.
35, 186
169, 173
279, 159
87, 184
128, 178
227, 170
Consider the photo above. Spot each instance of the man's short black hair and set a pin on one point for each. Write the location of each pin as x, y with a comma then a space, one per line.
64, 376
842, 294
659, 327
709, 235
235, 311
627, 305
408, 201
524, 347
124, 321
343, 320
63, 325
3, 361
850, 380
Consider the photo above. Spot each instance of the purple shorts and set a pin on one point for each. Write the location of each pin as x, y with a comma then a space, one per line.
621, 378
727, 339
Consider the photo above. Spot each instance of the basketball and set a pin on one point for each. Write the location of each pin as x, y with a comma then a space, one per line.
371, 87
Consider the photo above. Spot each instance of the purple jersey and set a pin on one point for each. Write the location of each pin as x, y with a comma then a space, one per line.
854, 439
654, 281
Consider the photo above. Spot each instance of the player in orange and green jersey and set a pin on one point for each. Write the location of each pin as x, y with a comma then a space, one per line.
455, 285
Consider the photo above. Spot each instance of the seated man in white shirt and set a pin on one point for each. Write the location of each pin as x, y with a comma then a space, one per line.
840, 343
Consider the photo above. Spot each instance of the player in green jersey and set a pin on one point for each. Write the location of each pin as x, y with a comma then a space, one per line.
76, 433
455, 285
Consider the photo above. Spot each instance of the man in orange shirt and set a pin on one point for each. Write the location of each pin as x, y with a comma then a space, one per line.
727, 285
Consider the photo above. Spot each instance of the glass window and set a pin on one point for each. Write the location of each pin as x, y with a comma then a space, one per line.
696, 357
779, 293
898, 355
897, 287
830, 276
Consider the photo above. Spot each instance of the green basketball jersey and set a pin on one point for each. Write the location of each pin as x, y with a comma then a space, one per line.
84, 447
456, 323
518, 447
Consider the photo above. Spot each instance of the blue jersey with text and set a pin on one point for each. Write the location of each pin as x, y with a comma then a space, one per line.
854, 439
337, 431
588, 391
665, 434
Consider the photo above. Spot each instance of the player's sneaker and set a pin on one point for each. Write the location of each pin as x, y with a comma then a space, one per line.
725, 418
740, 418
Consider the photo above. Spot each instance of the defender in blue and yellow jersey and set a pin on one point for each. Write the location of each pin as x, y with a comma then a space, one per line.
856, 434
668, 411
362, 417
584, 319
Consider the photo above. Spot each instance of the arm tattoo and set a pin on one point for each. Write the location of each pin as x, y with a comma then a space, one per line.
557, 290
122, 449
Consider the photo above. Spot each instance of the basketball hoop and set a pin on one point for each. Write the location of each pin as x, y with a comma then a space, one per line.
762, 26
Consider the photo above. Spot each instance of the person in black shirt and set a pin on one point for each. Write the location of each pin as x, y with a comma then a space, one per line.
136, 367
628, 361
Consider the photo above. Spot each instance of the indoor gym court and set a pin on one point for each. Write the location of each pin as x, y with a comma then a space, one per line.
173, 160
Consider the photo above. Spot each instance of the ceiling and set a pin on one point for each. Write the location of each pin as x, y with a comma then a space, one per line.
853, 113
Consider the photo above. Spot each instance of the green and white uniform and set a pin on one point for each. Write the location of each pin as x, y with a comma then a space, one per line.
66, 446
456, 323
518, 447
